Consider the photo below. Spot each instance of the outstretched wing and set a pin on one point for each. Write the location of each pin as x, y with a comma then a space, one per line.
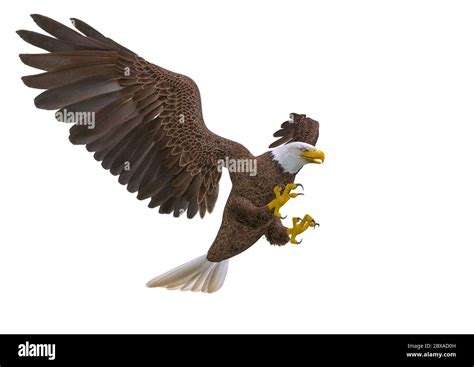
142, 121
297, 128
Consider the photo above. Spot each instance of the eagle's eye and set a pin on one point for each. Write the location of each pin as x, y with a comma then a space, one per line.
303, 149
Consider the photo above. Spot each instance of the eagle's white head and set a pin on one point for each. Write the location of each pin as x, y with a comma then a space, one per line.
293, 156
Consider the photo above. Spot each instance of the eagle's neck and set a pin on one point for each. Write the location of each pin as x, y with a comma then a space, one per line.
287, 159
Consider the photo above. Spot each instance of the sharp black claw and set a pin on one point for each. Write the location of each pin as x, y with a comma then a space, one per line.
281, 217
314, 224
300, 185
300, 193
298, 242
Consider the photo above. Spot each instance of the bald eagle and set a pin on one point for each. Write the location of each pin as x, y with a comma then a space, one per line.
145, 124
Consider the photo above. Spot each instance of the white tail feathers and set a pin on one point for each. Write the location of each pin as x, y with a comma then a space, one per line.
198, 275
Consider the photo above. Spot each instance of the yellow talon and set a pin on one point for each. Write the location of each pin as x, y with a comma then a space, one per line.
282, 197
299, 226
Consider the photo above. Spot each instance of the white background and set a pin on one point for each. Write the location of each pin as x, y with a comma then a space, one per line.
392, 84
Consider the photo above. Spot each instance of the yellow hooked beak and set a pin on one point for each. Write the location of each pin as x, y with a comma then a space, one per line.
313, 156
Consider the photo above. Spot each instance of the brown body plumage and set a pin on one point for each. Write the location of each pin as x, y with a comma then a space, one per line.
149, 130
246, 215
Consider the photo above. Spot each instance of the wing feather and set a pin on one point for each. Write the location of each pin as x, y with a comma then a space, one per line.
147, 121
298, 128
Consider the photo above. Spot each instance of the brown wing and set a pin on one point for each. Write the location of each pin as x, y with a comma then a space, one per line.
298, 128
142, 121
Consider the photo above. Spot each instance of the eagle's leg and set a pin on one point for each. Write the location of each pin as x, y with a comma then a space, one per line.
246, 212
299, 226
277, 233
282, 198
